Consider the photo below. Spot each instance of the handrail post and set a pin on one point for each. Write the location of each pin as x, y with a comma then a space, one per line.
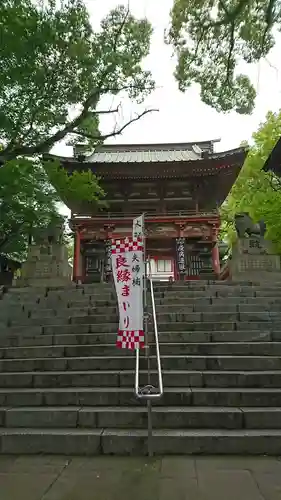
148, 393
149, 428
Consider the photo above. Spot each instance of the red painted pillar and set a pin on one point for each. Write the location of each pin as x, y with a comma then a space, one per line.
216, 259
76, 260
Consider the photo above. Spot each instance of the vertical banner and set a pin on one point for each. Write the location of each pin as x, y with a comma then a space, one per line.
128, 273
107, 263
138, 227
181, 261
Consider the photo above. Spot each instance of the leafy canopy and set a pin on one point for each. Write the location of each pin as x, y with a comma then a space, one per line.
79, 186
255, 191
27, 202
55, 70
211, 37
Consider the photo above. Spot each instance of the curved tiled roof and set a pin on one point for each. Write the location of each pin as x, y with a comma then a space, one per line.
172, 161
150, 156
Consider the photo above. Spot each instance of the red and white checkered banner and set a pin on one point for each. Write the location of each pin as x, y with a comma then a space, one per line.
128, 271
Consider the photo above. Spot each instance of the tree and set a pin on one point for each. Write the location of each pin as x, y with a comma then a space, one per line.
27, 202
256, 191
55, 70
211, 37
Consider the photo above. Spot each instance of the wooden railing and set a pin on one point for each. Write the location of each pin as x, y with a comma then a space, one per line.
149, 215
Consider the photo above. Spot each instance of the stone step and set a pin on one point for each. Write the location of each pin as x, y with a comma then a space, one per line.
217, 308
99, 300
114, 396
71, 304
196, 307
207, 348
175, 327
125, 378
61, 298
202, 306
109, 295
35, 337
134, 442
169, 362
230, 396
136, 417
224, 292
222, 287
205, 301
167, 348
198, 285
64, 312
85, 304
176, 337
167, 317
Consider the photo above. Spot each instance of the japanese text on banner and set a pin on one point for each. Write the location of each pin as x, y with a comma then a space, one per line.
128, 272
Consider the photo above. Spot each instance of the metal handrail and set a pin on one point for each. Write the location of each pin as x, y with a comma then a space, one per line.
149, 392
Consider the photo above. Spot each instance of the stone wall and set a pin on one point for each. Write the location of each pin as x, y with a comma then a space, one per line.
253, 259
46, 264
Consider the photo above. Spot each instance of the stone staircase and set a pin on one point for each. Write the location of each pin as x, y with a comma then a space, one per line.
66, 389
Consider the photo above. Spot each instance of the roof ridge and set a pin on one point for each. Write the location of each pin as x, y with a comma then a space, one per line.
173, 146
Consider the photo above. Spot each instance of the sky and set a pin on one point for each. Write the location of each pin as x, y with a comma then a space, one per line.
182, 117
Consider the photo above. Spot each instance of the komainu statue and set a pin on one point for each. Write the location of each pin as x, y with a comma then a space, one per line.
244, 225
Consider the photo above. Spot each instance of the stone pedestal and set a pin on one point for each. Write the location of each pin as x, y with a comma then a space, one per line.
46, 265
254, 260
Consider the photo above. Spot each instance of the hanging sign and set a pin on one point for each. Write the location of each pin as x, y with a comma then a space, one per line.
128, 273
138, 227
107, 266
181, 255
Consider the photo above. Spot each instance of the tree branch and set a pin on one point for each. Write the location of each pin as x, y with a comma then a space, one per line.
108, 111
275, 183
115, 132
119, 31
90, 102
105, 90
269, 22
231, 48
229, 15
223, 6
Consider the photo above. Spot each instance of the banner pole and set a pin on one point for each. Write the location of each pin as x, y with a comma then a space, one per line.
147, 346
146, 333
145, 301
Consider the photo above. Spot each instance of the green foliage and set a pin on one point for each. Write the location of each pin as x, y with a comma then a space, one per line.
55, 69
27, 202
255, 191
79, 186
211, 37
70, 247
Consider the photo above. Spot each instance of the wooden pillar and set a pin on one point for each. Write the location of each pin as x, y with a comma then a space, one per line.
76, 260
